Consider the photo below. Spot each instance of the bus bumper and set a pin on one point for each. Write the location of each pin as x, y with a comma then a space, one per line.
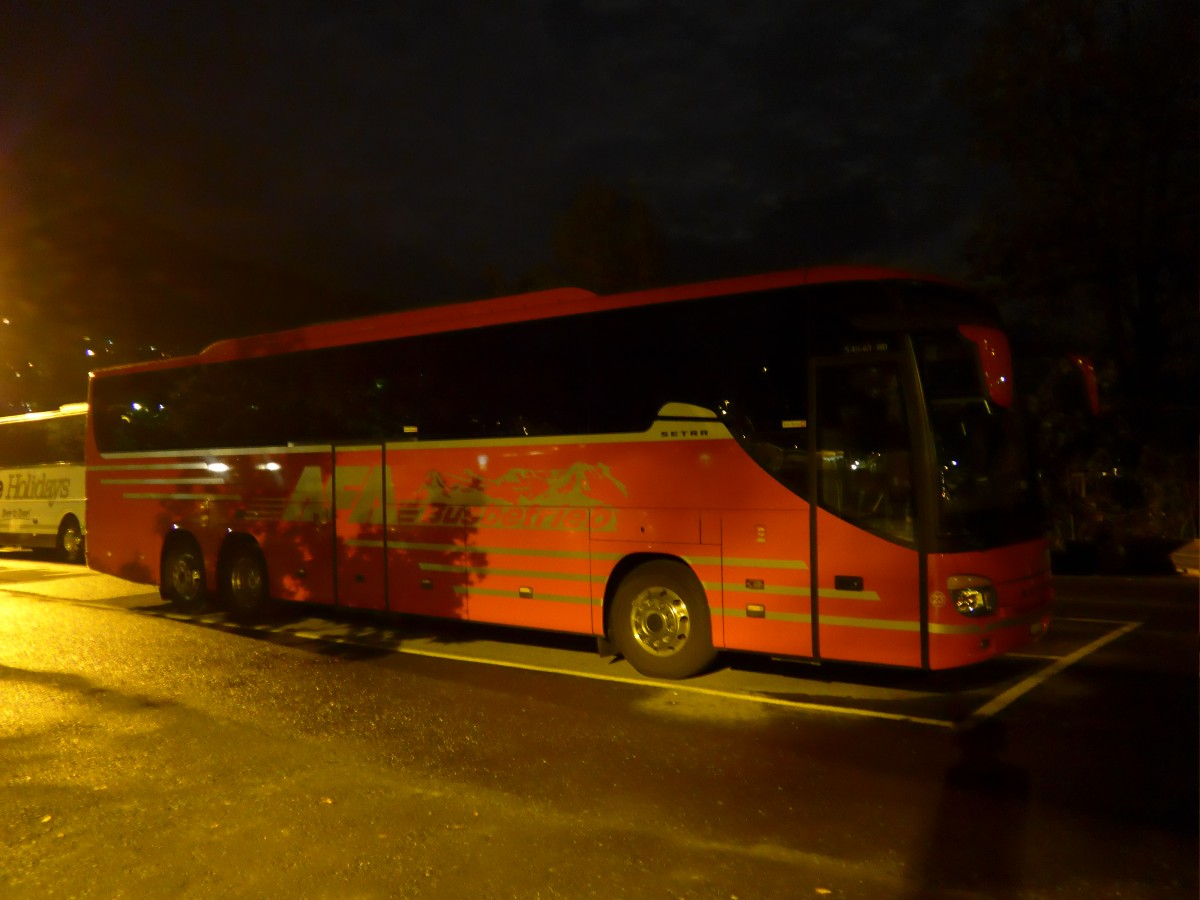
1022, 601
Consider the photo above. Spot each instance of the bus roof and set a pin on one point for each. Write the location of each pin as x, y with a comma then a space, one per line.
67, 409
515, 308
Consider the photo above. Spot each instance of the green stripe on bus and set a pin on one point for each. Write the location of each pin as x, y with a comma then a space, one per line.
848, 595
715, 432
470, 548
878, 624
513, 573
108, 481
225, 497
732, 613
984, 627
794, 564
766, 591
511, 595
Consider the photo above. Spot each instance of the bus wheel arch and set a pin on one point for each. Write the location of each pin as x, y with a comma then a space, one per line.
657, 616
183, 580
242, 576
70, 543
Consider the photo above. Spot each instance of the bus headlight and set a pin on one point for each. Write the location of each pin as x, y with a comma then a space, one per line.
973, 595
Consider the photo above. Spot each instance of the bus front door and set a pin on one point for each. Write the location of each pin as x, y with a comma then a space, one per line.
866, 571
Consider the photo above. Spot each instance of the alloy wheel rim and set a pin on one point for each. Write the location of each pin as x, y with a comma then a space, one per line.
660, 620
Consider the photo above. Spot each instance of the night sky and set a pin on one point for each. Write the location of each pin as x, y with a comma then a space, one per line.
400, 151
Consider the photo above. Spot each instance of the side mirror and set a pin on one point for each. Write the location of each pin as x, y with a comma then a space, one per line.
1087, 372
995, 360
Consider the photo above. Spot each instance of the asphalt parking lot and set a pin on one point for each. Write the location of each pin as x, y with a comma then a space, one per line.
937, 700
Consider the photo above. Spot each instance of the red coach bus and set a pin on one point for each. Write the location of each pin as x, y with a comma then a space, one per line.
820, 463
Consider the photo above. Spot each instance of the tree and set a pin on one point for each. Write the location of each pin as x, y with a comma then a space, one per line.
606, 241
1090, 106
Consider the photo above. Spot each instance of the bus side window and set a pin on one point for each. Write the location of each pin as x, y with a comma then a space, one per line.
520, 379
23, 445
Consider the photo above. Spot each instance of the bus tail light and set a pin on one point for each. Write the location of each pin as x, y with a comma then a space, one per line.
973, 595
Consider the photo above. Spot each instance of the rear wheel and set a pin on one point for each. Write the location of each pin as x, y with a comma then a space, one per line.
660, 621
70, 541
244, 583
183, 575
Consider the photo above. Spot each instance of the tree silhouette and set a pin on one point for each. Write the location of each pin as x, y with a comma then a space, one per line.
84, 252
1091, 108
610, 240
607, 240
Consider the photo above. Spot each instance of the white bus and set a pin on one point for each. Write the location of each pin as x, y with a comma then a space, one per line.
42, 492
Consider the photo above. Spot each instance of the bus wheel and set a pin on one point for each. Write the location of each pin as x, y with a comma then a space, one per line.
244, 582
70, 541
183, 575
660, 621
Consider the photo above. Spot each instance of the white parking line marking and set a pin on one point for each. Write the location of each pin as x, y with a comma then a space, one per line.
398, 647
990, 708
684, 687
1096, 621
996, 704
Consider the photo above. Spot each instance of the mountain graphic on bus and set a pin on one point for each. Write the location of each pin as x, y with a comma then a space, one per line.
580, 484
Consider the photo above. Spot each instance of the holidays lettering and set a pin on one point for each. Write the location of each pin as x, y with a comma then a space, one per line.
21, 486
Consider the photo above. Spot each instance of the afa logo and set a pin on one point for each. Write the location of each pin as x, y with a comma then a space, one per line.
571, 499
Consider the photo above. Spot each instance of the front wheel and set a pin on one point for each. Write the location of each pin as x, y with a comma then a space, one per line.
244, 585
660, 621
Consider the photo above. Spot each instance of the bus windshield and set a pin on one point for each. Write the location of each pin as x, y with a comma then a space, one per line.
985, 483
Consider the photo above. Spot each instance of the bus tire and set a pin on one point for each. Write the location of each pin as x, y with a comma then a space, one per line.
660, 621
69, 547
183, 575
244, 581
